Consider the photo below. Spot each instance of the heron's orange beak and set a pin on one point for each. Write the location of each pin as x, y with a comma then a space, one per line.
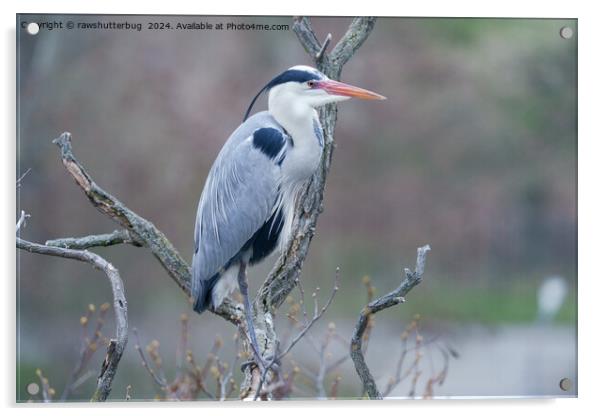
346, 90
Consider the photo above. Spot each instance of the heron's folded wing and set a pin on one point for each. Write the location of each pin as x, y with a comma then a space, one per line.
238, 198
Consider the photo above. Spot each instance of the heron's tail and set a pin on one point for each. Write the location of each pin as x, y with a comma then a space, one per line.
201, 291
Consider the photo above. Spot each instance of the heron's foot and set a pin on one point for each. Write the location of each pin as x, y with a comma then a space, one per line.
265, 362
247, 363
273, 363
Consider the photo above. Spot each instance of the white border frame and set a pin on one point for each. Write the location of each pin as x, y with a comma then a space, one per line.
590, 209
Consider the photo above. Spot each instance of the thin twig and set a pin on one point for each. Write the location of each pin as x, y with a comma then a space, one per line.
316, 317
160, 382
21, 221
400, 375
46, 390
397, 379
88, 347
82, 379
322, 50
227, 378
20, 179
322, 370
182, 345
302, 300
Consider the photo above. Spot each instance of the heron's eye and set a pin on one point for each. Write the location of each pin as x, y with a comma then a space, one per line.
311, 84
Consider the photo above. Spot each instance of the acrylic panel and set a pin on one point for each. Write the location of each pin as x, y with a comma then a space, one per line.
418, 246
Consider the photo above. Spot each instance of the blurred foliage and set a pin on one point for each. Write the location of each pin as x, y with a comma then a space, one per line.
473, 152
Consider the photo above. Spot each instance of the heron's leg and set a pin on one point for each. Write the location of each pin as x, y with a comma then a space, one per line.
244, 291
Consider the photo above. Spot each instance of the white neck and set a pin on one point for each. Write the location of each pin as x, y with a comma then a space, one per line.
298, 120
303, 158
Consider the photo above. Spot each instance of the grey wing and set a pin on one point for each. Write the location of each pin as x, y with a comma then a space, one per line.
238, 198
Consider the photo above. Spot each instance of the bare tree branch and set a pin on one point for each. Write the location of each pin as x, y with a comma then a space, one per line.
99, 240
142, 231
357, 33
391, 299
109, 205
117, 345
306, 35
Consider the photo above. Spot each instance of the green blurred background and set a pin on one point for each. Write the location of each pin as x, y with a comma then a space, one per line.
474, 152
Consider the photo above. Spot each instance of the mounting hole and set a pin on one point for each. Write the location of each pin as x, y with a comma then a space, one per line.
33, 28
566, 32
565, 384
33, 388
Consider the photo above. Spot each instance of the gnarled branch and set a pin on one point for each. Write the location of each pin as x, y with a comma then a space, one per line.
142, 231
391, 299
106, 203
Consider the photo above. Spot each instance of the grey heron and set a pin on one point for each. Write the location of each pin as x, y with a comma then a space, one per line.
247, 205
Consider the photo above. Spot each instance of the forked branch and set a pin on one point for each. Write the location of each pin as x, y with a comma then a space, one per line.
138, 230
391, 299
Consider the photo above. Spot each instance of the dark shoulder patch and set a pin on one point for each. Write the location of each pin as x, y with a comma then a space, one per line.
269, 140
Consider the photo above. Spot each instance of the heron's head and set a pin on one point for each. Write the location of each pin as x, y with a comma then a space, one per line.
303, 87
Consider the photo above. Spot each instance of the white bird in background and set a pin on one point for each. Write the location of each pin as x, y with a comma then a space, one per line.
550, 297
247, 205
